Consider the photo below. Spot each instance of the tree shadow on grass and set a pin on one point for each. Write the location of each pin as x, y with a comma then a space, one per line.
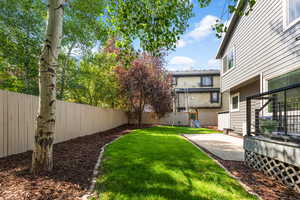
179, 130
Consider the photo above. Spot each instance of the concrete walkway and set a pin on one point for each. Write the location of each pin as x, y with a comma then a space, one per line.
224, 146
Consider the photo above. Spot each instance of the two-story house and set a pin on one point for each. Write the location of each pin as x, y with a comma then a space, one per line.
259, 52
198, 92
260, 55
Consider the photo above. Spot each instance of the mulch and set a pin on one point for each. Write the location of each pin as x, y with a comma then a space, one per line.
266, 187
74, 162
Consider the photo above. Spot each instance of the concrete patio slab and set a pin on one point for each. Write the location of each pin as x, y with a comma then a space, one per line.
224, 146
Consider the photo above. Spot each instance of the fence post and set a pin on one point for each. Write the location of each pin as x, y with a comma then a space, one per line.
274, 107
285, 113
257, 121
248, 116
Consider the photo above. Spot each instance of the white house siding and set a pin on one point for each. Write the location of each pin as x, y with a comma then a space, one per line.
238, 118
262, 46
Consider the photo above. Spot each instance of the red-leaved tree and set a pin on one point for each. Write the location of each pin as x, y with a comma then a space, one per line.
146, 82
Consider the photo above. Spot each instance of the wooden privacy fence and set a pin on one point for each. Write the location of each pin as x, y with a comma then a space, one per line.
172, 118
17, 121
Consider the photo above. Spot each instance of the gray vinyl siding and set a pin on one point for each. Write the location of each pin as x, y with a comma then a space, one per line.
239, 117
262, 46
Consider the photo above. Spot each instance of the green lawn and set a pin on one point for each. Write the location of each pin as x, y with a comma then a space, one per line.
158, 164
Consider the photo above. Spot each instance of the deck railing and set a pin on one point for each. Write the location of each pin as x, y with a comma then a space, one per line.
275, 113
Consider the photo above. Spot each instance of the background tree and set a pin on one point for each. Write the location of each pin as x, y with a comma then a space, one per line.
93, 81
243, 9
83, 31
157, 24
140, 85
21, 34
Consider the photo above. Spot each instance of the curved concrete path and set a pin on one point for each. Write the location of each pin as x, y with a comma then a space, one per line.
224, 146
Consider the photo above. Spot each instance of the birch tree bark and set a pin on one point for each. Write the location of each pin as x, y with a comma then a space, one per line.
42, 158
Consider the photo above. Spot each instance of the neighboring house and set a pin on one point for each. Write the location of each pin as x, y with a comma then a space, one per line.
198, 92
260, 53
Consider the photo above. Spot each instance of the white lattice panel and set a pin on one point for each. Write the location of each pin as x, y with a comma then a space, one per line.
286, 173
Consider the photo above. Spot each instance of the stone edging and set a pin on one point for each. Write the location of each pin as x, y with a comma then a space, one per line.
91, 192
248, 189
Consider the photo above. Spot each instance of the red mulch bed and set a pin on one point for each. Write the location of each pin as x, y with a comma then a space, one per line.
74, 162
265, 186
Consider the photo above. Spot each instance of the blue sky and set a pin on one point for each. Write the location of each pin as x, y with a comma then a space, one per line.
197, 48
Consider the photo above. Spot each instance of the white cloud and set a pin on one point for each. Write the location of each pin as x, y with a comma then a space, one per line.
181, 63
213, 63
181, 43
182, 60
203, 28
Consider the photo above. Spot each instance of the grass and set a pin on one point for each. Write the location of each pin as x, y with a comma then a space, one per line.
158, 164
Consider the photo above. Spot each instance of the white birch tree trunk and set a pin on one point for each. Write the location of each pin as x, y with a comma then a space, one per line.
42, 157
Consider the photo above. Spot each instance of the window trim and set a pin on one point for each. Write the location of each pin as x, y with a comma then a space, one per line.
286, 24
231, 105
211, 97
211, 78
232, 48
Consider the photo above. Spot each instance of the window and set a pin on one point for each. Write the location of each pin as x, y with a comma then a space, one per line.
225, 65
292, 12
214, 97
174, 81
206, 81
229, 60
235, 102
284, 80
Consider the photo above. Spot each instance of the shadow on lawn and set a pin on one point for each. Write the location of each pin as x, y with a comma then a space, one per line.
179, 130
152, 164
153, 185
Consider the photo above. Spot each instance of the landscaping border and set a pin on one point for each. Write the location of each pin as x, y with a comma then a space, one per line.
91, 192
248, 189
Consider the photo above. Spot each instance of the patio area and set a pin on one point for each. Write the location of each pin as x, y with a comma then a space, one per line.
223, 146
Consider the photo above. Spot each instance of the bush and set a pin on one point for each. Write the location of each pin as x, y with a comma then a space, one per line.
268, 125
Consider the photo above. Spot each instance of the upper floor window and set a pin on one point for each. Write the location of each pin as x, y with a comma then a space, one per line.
206, 81
292, 12
229, 60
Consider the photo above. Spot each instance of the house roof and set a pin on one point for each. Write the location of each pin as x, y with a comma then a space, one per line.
196, 90
196, 72
230, 29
